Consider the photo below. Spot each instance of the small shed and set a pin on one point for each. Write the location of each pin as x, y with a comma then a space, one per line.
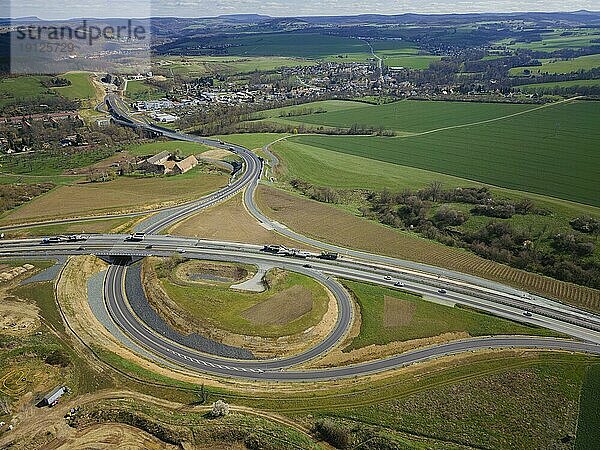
52, 397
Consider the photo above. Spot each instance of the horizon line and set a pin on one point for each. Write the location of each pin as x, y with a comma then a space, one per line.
169, 16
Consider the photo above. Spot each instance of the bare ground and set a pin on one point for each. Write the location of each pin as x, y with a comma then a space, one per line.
18, 318
230, 222
46, 428
282, 308
230, 273
124, 194
397, 312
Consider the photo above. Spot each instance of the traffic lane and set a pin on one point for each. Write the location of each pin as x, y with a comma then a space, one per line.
264, 371
118, 299
198, 253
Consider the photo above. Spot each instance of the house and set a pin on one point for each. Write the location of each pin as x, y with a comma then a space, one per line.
163, 164
156, 163
54, 396
164, 117
186, 165
103, 121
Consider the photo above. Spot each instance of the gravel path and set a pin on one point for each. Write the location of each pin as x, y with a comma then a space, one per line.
254, 284
141, 307
50, 274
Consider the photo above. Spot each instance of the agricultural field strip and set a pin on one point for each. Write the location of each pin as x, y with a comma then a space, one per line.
495, 119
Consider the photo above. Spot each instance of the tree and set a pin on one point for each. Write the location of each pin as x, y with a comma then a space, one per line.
219, 409
202, 395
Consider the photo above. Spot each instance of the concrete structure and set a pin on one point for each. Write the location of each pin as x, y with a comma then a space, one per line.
164, 117
103, 121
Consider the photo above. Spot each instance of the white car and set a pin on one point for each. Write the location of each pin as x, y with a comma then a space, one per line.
387, 278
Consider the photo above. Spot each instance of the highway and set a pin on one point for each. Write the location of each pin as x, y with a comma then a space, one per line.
250, 173
421, 279
586, 329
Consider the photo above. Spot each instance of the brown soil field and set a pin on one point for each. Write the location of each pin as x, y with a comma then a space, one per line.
120, 195
95, 226
333, 225
109, 436
217, 153
396, 312
18, 318
229, 222
282, 308
230, 273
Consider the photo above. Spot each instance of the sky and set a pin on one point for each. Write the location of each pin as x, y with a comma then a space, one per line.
45, 9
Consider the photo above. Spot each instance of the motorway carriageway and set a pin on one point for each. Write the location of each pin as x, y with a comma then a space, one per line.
582, 325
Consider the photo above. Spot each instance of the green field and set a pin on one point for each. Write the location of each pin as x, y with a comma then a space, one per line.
299, 112
548, 87
22, 88
221, 307
81, 87
560, 66
407, 116
323, 167
226, 65
52, 163
588, 430
428, 320
552, 41
524, 152
392, 59
523, 406
140, 90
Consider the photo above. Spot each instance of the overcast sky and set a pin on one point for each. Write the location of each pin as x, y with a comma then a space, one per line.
206, 8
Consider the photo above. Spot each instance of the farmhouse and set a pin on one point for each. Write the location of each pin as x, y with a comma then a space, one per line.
156, 163
163, 164
186, 165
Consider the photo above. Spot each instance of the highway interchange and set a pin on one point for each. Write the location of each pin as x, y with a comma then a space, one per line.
434, 283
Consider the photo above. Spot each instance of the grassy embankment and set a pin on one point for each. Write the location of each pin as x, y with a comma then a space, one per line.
388, 315
292, 303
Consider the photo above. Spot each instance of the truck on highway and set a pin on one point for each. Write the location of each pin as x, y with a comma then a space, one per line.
51, 240
136, 237
284, 251
331, 256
